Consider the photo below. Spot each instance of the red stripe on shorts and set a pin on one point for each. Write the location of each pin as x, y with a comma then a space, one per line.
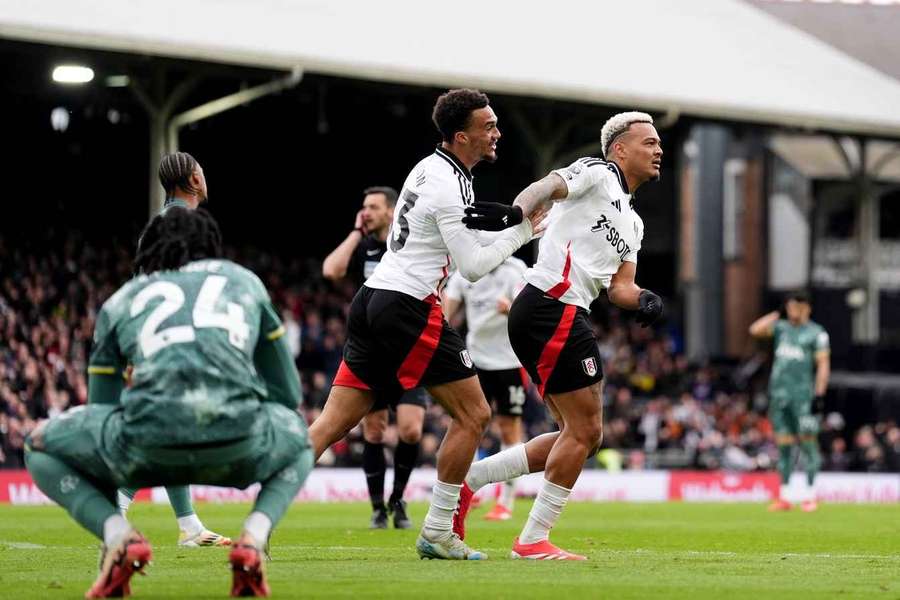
563, 286
523, 375
550, 354
348, 378
415, 363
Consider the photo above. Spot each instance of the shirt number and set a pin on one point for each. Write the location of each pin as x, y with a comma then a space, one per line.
204, 315
398, 241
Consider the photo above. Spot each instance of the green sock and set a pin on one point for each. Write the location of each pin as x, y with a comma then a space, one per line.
813, 459
279, 491
180, 499
785, 462
67, 487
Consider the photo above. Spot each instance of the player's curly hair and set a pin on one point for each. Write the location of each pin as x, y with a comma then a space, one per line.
176, 237
453, 110
175, 171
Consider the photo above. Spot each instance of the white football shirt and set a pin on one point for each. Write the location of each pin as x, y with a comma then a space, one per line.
428, 229
589, 234
488, 337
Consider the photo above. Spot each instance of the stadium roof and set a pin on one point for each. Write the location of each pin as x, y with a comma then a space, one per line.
707, 58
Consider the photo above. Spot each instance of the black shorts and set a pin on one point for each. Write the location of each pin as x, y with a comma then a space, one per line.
384, 400
506, 389
396, 343
554, 341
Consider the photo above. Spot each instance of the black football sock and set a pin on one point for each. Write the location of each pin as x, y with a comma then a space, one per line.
374, 467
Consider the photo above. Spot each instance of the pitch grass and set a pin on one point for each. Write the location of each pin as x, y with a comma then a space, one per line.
695, 551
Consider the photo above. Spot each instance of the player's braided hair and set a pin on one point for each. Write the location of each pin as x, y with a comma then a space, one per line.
453, 110
175, 171
176, 237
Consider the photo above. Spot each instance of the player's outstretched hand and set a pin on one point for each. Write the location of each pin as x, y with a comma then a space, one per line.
651, 308
492, 216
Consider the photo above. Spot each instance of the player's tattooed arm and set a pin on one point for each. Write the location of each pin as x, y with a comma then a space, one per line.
764, 327
541, 194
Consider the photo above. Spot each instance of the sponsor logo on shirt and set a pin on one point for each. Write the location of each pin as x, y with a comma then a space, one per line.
790, 352
612, 236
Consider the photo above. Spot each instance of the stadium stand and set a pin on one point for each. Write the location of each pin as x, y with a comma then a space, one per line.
661, 411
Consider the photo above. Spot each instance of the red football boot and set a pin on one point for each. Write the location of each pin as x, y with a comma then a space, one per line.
542, 550
248, 573
119, 564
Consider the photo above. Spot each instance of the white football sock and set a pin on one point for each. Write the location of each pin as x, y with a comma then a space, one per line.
439, 520
503, 466
114, 528
544, 513
190, 524
124, 502
507, 494
259, 525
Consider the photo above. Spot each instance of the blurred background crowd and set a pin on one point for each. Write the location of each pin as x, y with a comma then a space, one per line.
660, 410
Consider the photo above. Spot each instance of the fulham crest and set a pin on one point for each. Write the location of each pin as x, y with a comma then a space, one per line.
590, 366
466, 359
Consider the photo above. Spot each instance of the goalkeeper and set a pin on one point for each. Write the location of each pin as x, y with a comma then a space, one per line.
212, 400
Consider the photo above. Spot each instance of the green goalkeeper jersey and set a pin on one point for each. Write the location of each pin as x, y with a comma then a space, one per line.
793, 369
191, 336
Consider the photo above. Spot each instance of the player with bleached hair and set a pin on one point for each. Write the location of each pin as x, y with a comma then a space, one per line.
591, 243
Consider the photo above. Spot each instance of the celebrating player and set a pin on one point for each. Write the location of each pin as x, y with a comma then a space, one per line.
487, 303
800, 344
182, 178
212, 400
592, 242
397, 335
357, 256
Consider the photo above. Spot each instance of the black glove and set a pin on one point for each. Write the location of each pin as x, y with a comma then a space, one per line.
819, 404
492, 216
651, 308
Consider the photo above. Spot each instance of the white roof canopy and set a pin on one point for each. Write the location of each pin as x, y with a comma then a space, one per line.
708, 58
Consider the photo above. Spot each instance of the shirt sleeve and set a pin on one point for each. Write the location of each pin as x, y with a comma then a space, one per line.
455, 289
272, 356
472, 259
581, 176
639, 238
106, 356
823, 342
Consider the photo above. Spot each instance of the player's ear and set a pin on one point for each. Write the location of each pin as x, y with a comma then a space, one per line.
461, 138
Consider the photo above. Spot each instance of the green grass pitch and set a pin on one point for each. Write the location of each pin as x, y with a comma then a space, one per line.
695, 551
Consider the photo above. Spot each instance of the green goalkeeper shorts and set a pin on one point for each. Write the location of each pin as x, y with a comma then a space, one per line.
791, 416
93, 439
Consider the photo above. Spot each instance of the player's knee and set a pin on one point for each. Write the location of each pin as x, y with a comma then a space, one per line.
410, 433
374, 428
589, 433
477, 416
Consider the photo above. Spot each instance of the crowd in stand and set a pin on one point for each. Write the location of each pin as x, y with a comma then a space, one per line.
660, 411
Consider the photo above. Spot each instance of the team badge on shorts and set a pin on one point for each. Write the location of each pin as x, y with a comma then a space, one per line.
590, 366
466, 359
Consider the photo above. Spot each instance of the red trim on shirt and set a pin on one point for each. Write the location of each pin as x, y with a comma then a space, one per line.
562, 287
550, 354
415, 363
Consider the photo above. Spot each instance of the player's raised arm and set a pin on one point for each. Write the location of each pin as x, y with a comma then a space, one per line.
625, 293
764, 327
472, 259
335, 264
